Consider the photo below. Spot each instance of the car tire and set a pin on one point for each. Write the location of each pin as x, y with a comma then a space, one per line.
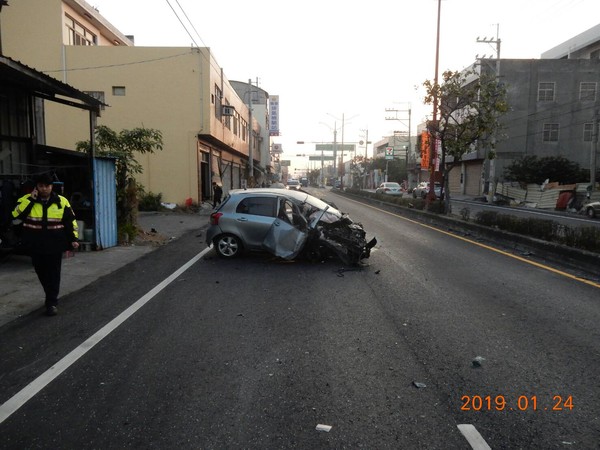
228, 246
591, 213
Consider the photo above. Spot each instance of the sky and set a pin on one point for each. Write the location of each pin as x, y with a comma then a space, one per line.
340, 64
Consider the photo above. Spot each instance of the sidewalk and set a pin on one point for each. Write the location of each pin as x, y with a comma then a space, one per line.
21, 292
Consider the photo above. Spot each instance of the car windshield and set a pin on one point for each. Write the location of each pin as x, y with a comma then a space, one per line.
321, 205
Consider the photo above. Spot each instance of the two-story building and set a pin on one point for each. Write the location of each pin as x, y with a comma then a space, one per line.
554, 103
206, 126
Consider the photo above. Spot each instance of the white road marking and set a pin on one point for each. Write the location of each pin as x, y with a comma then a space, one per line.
32, 389
473, 437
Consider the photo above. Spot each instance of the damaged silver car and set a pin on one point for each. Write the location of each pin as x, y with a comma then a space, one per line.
289, 224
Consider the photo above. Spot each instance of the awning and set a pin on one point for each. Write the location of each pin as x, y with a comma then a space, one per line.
44, 86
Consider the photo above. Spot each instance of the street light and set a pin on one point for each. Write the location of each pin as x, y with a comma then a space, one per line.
322, 158
250, 179
335, 147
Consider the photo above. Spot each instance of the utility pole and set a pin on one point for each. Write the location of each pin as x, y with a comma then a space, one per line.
366, 143
2, 3
491, 162
593, 152
407, 148
250, 181
433, 136
364, 182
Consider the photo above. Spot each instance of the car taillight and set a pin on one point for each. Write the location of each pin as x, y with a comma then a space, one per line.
214, 218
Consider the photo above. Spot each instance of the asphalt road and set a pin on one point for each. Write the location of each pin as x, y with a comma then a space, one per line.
256, 352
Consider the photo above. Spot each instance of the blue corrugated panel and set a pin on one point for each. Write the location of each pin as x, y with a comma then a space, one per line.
105, 203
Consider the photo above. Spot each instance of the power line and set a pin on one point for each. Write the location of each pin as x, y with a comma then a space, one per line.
181, 22
190, 22
144, 61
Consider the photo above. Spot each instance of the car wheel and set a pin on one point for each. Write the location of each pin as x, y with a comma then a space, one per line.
414, 194
591, 213
228, 246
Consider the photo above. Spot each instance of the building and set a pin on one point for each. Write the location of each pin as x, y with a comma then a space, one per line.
25, 97
178, 90
554, 103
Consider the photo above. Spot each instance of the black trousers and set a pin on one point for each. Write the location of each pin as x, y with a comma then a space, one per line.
47, 268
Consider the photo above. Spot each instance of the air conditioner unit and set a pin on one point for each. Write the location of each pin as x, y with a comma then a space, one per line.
228, 110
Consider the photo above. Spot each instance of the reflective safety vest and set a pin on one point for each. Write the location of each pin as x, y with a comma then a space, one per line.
49, 226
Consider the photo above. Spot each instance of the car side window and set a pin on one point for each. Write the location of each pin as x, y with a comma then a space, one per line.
284, 212
257, 206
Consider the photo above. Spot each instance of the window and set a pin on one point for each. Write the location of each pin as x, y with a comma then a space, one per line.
550, 133
77, 34
118, 91
595, 54
588, 132
546, 92
257, 206
227, 117
587, 91
98, 95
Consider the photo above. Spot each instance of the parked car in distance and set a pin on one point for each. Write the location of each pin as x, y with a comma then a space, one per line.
591, 209
389, 188
292, 183
422, 190
286, 223
337, 184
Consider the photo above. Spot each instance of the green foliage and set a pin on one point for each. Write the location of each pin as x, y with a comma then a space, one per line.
531, 169
469, 106
396, 168
127, 232
436, 207
124, 146
149, 201
586, 238
465, 213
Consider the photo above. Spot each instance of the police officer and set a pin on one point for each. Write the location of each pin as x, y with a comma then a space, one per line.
49, 229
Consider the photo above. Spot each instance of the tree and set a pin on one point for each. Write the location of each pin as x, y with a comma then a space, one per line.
124, 146
359, 167
531, 169
396, 168
470, 106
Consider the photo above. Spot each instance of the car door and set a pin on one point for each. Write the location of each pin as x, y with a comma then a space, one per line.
288, 233
254, 216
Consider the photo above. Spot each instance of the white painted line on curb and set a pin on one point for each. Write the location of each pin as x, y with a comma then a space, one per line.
32, 389
473, 437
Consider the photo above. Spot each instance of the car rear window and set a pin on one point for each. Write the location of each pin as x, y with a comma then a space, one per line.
257, 206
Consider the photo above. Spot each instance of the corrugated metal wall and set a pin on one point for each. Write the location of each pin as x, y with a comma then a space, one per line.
105, 203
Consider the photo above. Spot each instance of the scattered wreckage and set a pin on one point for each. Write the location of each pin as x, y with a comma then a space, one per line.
288, 224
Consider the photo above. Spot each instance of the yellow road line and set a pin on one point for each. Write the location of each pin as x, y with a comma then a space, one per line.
487, 247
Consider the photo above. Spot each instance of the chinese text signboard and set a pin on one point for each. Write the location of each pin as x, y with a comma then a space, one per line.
274, 115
